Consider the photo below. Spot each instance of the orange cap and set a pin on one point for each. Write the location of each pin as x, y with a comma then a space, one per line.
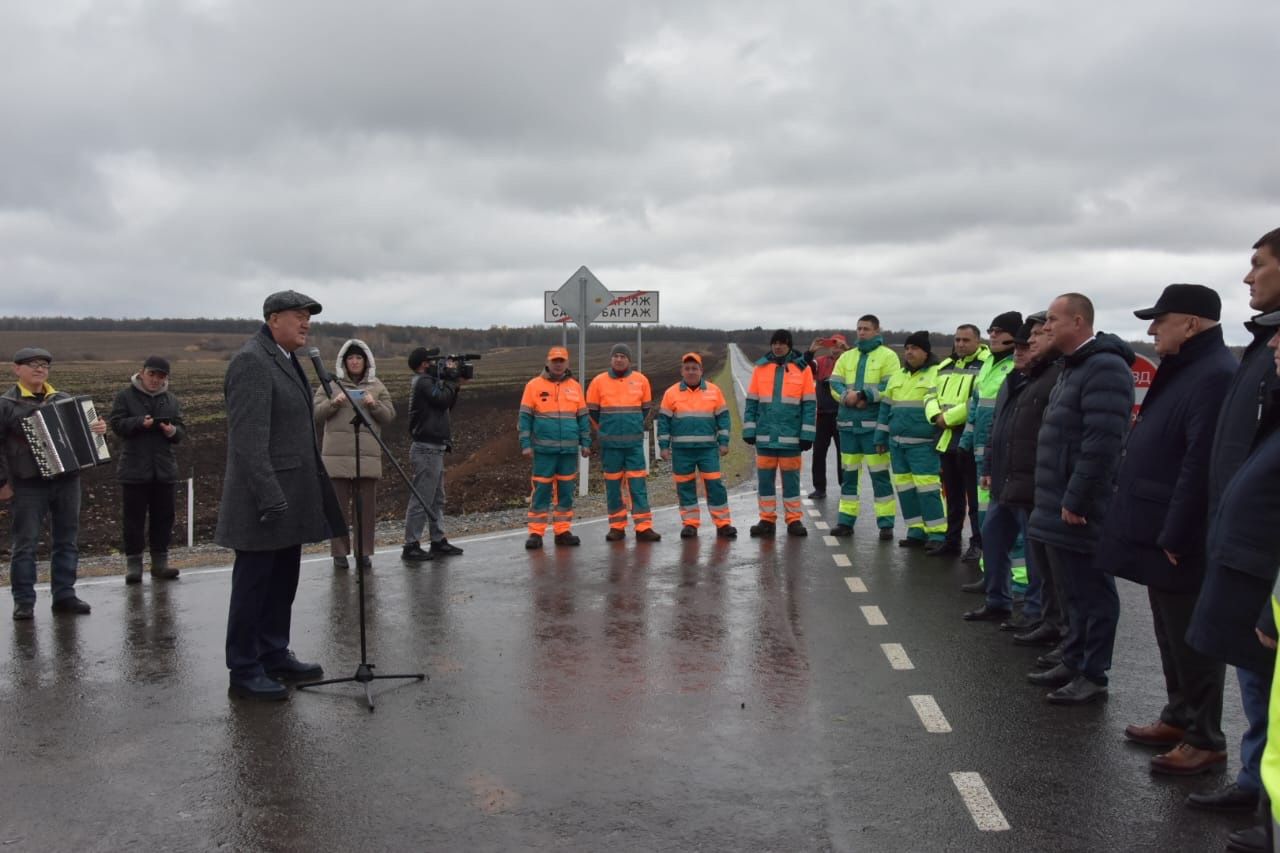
557, 352
691, 356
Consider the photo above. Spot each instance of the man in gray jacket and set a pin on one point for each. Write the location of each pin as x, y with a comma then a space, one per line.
275, 497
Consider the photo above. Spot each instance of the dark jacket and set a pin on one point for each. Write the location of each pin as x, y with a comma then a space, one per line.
1161, 495
821, 369
273, 459
147, 453
430, 400
1078, 447
1010, 459
1241, 564
16, 461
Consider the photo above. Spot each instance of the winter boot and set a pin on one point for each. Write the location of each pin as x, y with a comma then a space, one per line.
133, 568
160, 569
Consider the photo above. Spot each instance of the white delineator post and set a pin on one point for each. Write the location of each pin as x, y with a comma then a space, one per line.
191, 510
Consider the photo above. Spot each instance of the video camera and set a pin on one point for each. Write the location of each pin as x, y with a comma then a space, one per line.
451, 367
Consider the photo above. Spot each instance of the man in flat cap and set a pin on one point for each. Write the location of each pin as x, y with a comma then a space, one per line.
619, 402
275, 497
146, 415
1155, 532
33, 496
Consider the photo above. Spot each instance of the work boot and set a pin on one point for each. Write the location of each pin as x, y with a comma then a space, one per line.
648, 535
413, 553
132, 568
567, 539
443, 548
688, 532
763, 530
23, 611
796, 528
71, 604
533, 543
886, 534
160, 569
842, 530
727, 532
912, 543
615, 534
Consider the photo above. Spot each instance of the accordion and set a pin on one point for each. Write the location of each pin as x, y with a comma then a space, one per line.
60, 439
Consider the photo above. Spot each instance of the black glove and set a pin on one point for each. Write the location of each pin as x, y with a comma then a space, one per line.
749, 439
273, 513
805, 445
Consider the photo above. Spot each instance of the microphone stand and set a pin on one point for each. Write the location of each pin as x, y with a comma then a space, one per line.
364, 670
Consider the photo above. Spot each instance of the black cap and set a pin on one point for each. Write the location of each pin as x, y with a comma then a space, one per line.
1022, 337
1009, 321
421, 356
919, 339
26, 354
155, 362
288, 300
1194, 299
782, 336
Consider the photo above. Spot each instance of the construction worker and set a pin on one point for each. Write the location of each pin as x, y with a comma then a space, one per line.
857, 381
909, 437
554, 429
780, 421
619, 402
982, 407
948, 410
693, 433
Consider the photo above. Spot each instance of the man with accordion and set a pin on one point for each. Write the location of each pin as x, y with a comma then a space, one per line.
46, 436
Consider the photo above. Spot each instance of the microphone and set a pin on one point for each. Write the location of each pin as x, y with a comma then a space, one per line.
323, 375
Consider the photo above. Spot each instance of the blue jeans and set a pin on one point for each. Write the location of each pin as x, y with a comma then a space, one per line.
1000, 531
1255, 695
32, 500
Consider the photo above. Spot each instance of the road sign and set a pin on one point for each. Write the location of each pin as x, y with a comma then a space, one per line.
625, 306
583, 296
1144, 370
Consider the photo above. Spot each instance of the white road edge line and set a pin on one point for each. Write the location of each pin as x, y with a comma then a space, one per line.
930, 714
873, 615
897, 656
842, 560
982, 806
855, 584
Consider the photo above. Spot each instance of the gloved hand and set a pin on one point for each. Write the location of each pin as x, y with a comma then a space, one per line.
272, 513
749, 439
805, 445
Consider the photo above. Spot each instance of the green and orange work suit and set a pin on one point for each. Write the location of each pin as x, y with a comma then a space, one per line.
553, 424
693, 423
619, 404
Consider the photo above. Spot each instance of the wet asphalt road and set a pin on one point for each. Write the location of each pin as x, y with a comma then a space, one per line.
684, 695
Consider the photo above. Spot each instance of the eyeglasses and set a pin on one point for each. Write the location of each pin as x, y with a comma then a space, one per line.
37, 365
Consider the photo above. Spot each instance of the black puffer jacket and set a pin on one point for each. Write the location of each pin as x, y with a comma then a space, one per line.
147, 455
1078, 448
1010, 459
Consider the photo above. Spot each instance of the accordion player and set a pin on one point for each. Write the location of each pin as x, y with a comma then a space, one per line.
61, 439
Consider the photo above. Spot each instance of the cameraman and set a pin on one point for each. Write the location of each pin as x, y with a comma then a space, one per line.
434, 393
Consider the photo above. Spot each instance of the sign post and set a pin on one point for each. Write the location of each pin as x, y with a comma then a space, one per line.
589, 298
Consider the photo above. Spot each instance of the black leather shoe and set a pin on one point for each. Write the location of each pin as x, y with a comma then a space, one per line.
1232, 798
1020, 624
443, 548
943, 549
817, 495
24, 611
292, 669
259, 687
688, 532
912, 543
1060, 676
568, 540
1043, 635
413, 553
972, 555
1081, 691
886, 534
1050, 659
979, 586
533, 543
727, 532
764, 530
842, 530
1251, 840
795, 528
986, 614
71, 605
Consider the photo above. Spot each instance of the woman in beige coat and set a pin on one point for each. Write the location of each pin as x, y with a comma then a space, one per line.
356, 371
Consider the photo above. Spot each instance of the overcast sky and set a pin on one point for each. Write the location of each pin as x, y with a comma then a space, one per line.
757, 163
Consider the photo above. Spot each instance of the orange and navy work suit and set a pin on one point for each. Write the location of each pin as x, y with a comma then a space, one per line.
780, 420
693, 423
553, 423
619, 403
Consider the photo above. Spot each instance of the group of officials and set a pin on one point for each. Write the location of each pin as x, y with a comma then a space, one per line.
1031, 439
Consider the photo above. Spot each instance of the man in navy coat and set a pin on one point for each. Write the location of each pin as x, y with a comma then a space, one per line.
1155, 531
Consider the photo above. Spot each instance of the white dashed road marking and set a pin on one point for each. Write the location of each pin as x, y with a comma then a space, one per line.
873, 615
897, 656
822, 525
930, 714
830, 541
842, 560
982, 806
815, 513
855, 584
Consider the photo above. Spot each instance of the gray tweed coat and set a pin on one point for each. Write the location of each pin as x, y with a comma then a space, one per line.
272, 455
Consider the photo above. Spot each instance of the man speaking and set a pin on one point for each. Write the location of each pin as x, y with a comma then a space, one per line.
275, 496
